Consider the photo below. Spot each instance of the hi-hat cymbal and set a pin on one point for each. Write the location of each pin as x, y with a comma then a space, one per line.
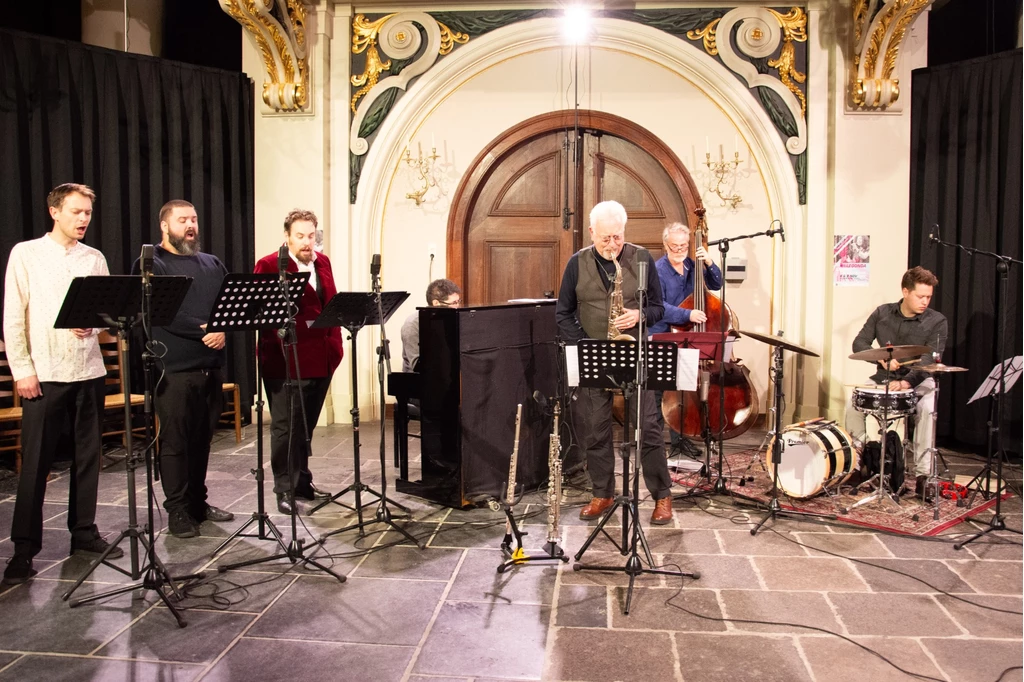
939, 368
780, 342
898, 353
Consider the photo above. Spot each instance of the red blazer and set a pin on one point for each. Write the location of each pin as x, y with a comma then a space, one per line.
319, 350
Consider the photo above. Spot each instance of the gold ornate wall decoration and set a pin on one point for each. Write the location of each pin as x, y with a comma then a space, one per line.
278, 27
760, 32
398, 37
879, 28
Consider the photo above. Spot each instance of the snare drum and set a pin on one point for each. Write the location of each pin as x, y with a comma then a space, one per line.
872, 400
813, 456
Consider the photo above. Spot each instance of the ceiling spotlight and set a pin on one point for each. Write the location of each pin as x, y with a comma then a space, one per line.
577, 24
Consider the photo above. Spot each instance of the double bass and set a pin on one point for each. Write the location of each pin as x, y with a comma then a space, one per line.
681, 409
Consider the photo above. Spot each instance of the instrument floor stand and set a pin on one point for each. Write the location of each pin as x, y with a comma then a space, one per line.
353, 311
121, 301
884, 494
518, 556
633, 537
775, 509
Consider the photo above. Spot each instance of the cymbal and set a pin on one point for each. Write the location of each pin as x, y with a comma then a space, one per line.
780, 342
898, 353
939, 368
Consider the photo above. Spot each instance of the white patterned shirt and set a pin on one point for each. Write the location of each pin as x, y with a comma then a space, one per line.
39, 273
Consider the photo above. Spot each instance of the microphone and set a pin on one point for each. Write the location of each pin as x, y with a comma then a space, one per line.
641, 270
146, 263
540, 399
282, 261
375, 266
934, 236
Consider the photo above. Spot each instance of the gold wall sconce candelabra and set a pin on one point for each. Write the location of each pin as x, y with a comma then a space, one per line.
424, 169
722, 175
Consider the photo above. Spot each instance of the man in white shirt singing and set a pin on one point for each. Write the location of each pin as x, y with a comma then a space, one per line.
58, 373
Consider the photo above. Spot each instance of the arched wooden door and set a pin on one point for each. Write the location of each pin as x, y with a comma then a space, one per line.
522, 209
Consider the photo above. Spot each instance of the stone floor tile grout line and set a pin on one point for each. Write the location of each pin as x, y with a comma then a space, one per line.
433, 617
234, 642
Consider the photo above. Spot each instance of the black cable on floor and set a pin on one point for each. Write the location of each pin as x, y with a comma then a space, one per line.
668, 602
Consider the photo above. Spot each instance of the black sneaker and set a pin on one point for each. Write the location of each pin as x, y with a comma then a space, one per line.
95, 547
180, 524
19, 569
217, 514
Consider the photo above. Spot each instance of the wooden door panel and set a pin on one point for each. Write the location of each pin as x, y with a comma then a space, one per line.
518, 270
532, 191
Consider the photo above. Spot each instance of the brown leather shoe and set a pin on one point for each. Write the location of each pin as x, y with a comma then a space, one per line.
662, 511
596, 507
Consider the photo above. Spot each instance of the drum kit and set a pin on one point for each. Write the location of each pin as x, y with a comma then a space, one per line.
817, 456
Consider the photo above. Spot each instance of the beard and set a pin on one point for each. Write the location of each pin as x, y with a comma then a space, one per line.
185, 246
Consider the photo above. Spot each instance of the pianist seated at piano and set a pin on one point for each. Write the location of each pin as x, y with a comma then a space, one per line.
441, 292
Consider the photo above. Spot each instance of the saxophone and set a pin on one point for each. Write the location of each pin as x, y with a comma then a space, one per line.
616, 307
554, 483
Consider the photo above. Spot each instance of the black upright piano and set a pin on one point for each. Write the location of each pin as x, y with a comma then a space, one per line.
476, 364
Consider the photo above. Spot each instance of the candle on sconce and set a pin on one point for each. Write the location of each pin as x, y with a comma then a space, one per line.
721, 153
419, 148
707, 145
433, 144
735, 144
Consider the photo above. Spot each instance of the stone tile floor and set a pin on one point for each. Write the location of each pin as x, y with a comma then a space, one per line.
444, 613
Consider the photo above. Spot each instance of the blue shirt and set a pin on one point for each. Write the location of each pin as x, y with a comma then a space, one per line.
675, 288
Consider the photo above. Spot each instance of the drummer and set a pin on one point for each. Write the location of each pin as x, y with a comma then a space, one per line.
907, 322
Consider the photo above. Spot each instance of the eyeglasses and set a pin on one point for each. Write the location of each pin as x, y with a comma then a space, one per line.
610, 238
451, 304
676, 248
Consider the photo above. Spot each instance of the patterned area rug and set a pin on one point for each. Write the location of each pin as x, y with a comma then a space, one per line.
910, 517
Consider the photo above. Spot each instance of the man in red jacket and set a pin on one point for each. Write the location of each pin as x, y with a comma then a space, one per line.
319, 352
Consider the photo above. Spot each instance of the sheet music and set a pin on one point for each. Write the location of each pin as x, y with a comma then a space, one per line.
572, 365
687, 368
1012, 367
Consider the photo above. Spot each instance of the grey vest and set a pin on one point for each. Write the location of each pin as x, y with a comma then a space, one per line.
593, 298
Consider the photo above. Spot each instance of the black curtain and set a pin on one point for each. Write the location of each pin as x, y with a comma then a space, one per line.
965, 177
138, 130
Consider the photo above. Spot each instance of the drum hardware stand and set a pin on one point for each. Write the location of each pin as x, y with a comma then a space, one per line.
257, 300
88, 304
774, 509
598, 370
353, 311
884, 492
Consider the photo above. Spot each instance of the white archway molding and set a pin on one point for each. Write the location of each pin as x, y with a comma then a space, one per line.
674, 54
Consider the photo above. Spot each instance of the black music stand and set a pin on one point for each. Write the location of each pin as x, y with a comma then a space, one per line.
613, 365
1001, 379
117, 302
353, 311
711, 349
249, 302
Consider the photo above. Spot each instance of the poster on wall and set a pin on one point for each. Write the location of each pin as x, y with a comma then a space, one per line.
851, 260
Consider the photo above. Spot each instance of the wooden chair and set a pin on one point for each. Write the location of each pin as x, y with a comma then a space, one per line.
233, 409
10, 411
113, 419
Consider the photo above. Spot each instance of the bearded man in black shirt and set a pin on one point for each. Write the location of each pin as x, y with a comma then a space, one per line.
190, 396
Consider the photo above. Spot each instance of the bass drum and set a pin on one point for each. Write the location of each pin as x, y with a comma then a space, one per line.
813, 455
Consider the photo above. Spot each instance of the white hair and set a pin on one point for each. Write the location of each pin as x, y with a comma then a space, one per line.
672, 228
608, 211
